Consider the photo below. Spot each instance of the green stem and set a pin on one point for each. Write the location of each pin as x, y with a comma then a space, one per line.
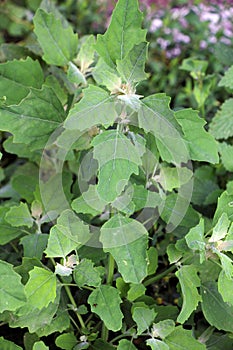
159, 276
111, 265
68, 292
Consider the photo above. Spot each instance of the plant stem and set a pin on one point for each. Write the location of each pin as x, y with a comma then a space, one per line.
159, 276
68, 292
111, 265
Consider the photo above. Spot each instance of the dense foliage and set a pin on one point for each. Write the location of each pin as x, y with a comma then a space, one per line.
116, 209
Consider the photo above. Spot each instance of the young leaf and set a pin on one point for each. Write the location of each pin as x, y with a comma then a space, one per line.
220, 229
221, 126
86, 53
86, 274
118, 159
68, 234
34, 245
40, 345
200, 143
135, 291
40, 288
10, 281
105, 302
171, 178
132, 67
189, 282
19, 216
143, 317
195, 239
34, 119
66, 341
123, 32
17, 77
183, 339
126, 239
125, 344
225, 151
107, 76
163, 328
217, 312
59, 323
156, 344
59, 44
227, 79
95, 108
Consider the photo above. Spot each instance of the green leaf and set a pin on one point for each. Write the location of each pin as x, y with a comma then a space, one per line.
225, 151
227, 79
200, 143
155, 116
34, 245
221, 126
125, 344
86, 53
171, 178
156, 344
152, 255
8, 345
7, 232
195, 239
17, 77
89, 202
183, 339
118, 159
66, 341
21, 150
34, 119
126, 239
10, 281
86, 274
135, 291
75, 75
19, 216
220, 229
143, 317
95, 108
59, 44
40, 288
163, 328
218, 313
105, 302
107, 76
123, 32
225, 286
59, 323
40, 345
132, 67
68, 234
224, 206
189, 282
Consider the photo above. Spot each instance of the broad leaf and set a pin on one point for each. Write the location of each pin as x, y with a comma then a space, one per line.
12, 294
143, 316
221, 126
123, 32
8, 345
132, 67
19, 216
217, 312
135, 291
200, 143
89, 202
189, 282
59, 323
220, 229
118, 159
86, 274
105, 302
227, 79
163, 328
59, 44
86, 53
125, 344
68, 234
183, 339
40, 345
171, 178
155, 116
34, 245
17, 77
66, 341
226, 151
107, 76
7, 232
34, 119
225, 286
96, 107
126, 239
40, 288
156, 344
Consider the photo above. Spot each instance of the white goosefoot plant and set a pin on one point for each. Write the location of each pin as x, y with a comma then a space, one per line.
97, 204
